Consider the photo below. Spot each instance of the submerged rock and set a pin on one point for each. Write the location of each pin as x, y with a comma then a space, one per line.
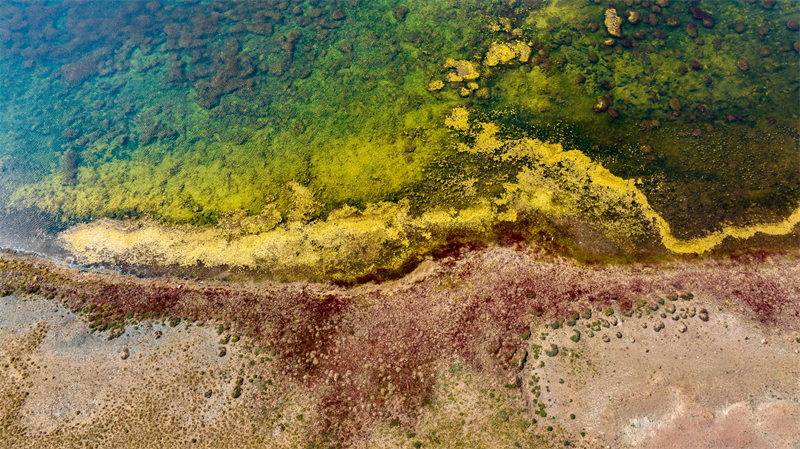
613, 23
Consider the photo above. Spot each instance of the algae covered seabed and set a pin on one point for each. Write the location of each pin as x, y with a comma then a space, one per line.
324, 165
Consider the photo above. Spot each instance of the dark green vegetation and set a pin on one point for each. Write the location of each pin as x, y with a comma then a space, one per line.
200, 112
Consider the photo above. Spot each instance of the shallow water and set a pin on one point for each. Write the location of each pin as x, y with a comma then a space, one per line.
308, 131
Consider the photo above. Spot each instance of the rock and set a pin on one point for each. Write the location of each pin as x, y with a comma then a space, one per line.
764, 52
602, 104
612, 113
742, 65
644, 325
634, 17
797, 46
658, 326
792, 25
580, 79
767, 4
592, 27
610, 42
703, 315
337, 14
605, 338
114, 333
593, 57
682, 327
632, 340
673, 22
691, 30
639, 35
125, 354
627, 43
739, 27
675, 104
652, 19
696, 65
221, 351
697, 132
613, 23
683, 70
400, 13
465, 70
435, 85
499, 52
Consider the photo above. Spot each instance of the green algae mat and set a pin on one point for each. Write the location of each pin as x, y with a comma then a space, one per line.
344, 140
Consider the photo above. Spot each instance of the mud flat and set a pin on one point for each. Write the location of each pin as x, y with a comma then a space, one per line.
497, 347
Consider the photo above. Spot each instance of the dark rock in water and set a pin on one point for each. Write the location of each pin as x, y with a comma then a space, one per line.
400, 13
740, 27
743, 65
683, 70
652, 19
592, 27
696, 65
699, 14
602, 105
691, 30
639, 35
337, 14
797, 46
675, 104
627, 43
673, 22
612, 113
768, 4
593, 57
697, 132
792, 25
580, 79
659, 34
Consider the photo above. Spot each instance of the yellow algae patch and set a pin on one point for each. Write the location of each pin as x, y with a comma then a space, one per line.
707, 243
458, 119
435, 85
350, 243
563, 183
501, 53
465, 70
